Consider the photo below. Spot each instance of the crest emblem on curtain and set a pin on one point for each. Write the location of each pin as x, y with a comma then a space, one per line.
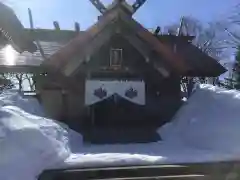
100, 93
131, 93
98, 90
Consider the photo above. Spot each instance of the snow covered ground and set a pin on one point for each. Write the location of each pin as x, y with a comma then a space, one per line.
210, 119
206, 128
28, 143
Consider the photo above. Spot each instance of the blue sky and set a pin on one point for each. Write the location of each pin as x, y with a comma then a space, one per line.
153, 13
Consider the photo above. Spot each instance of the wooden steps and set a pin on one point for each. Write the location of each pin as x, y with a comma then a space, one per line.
193, 171
133, 172
181, 177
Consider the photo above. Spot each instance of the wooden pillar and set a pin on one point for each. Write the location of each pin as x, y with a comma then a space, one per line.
92, 116
64, 106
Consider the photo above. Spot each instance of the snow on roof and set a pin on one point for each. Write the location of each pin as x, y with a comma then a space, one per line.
30, 59
50, 40
13, 30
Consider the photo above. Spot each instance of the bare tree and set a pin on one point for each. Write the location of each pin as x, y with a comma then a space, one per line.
208, 38
20, 78
17, 79
234, 18
5, 82
31, 81
231, 28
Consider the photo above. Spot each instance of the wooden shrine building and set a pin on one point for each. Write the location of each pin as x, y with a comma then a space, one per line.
117, 73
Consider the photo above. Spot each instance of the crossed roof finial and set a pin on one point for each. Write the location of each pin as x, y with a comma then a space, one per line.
101, 7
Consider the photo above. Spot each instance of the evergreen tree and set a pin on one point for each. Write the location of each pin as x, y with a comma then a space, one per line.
237, 69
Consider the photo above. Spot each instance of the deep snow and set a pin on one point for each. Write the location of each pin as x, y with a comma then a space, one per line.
28, 143
206, 128
210, 119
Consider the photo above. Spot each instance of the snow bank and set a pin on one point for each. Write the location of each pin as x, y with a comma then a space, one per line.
29, 104
205, 129
28, 143
75, 141
210, 119
141, 154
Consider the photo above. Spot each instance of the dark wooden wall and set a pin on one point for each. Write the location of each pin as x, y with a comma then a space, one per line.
162, 94
133, 62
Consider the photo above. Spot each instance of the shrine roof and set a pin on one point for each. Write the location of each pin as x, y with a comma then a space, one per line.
187, 61
81, 44
55, 41
50, 40
61, 46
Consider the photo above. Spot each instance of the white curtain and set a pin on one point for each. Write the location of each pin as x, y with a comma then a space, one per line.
97, 90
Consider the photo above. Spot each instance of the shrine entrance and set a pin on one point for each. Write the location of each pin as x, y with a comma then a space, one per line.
117, 112
115, 103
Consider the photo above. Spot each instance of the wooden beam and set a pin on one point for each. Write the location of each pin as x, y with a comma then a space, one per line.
56, 25
145, 51
161, 69
77, 27
21, 69
32, 29
138, 44
89, 49
73, 48
174, 59
30, 18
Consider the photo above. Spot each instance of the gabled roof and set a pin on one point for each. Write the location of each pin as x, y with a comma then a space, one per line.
99, 33
170, 38
195, 57
25, 62
200, 61
53, 35
50, 41
78, 45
